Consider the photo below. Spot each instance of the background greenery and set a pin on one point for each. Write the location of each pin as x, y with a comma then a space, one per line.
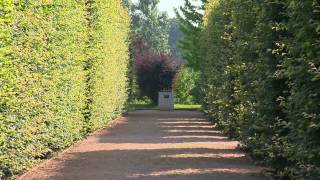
186, 87
189, 21
151, 25
58, 60
189, 18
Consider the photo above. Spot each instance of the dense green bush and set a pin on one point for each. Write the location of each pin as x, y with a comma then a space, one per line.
260, 78
186, 87
46, 85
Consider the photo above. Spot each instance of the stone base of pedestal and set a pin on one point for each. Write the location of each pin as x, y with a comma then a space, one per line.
166, 101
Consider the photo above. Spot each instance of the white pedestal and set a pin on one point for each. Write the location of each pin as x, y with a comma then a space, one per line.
166, 101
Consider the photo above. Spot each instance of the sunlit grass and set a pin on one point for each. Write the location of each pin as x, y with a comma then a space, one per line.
196, 107
145, 103
140, 104
149, 106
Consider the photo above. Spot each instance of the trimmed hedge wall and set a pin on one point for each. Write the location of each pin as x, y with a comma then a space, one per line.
58, 60
107, 63
261, 79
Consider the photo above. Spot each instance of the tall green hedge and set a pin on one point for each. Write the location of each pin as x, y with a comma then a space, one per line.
47, 88
107, 60
261, 79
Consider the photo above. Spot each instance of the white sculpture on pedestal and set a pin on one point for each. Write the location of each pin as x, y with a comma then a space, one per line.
166, 101
166, 98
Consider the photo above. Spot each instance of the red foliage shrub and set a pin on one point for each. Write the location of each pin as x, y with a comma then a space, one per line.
154, 72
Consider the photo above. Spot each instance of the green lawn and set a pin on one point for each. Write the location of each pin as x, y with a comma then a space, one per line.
196, 107
148, 106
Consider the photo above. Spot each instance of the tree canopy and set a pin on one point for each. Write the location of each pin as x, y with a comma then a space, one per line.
151, 25
190, 20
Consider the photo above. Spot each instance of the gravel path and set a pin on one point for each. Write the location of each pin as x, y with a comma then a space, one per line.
151, 145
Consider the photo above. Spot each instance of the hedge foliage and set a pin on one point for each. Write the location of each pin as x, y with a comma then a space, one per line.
58, 63
108, 58
261, 79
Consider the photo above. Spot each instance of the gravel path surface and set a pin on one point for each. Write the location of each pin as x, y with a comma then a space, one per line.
180, 145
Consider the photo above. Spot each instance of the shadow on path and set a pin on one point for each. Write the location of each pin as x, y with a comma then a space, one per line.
153, 145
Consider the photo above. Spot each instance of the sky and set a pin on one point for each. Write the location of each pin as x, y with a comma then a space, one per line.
168, 5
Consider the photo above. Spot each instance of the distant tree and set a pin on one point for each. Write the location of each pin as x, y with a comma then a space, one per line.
190, 20
175, 35
151, 25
